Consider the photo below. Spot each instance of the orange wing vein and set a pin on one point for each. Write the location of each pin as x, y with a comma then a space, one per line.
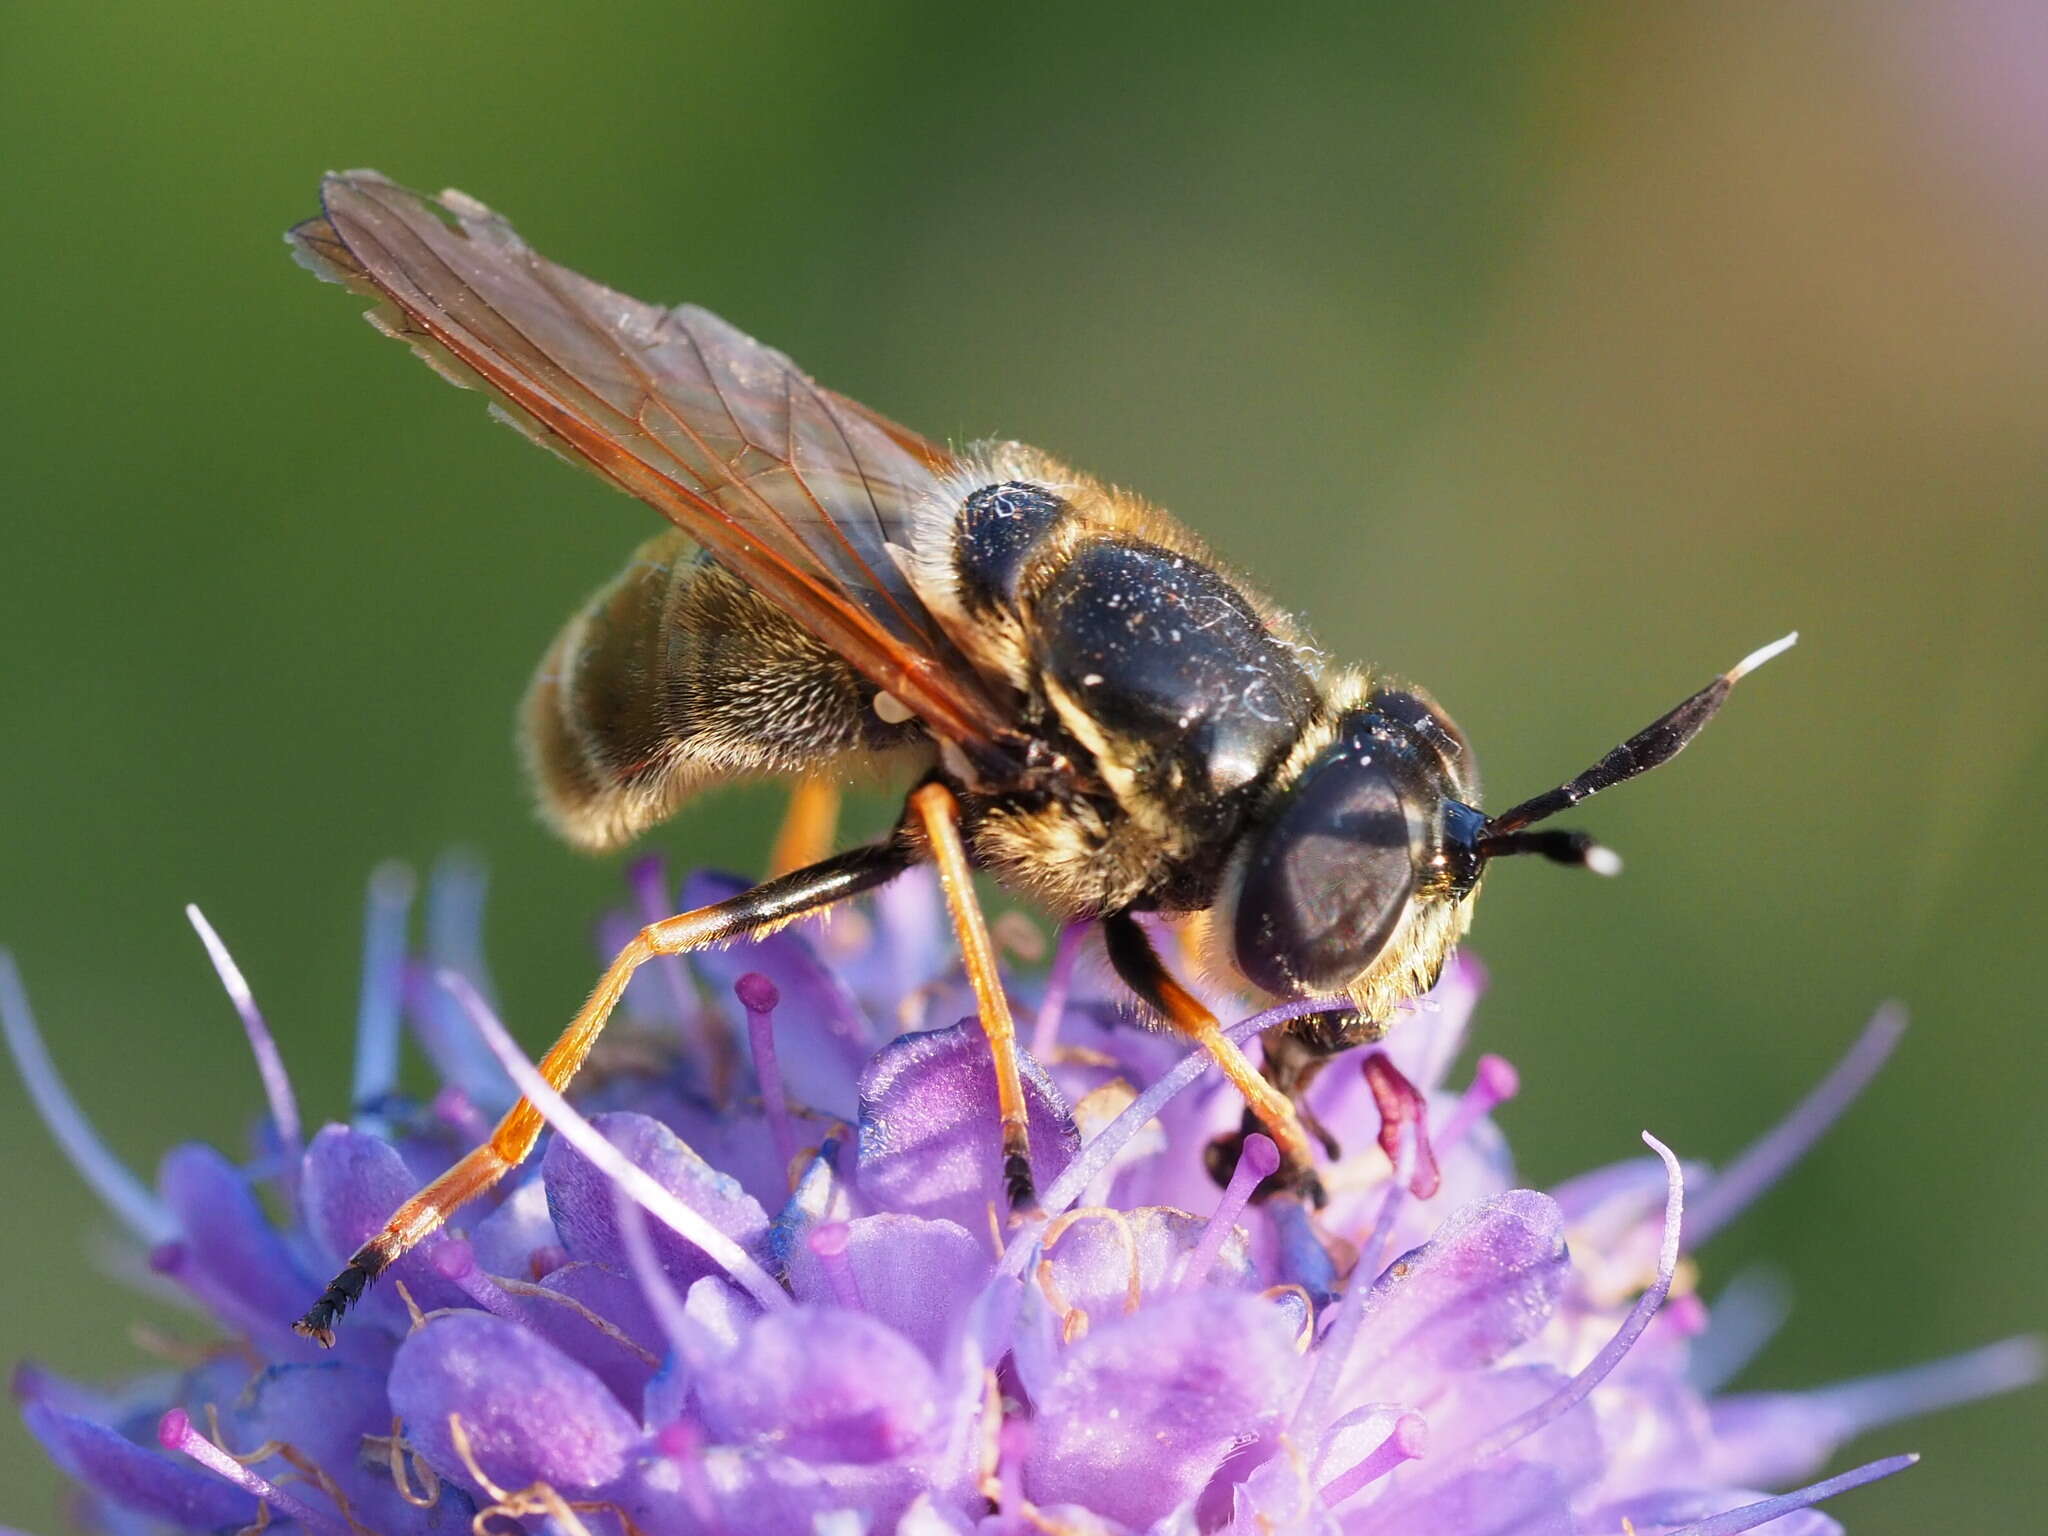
798, 490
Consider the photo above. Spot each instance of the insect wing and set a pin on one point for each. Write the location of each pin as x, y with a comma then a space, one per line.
797, 489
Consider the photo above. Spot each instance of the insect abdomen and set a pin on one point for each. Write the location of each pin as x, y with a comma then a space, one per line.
676, 674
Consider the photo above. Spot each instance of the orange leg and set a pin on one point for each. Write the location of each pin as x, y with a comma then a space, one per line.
1138, 963
751, 913
810, 825
939, 814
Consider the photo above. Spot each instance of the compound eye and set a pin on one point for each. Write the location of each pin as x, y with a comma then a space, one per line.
1326, 882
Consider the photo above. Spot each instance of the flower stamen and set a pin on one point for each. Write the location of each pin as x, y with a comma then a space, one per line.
1767, 1159
455, 1261
1574, 1391
395, 1452
512, 1286
1098, 1153
635, 1180
386, 910
657, 903
1052, 1005
828, 1241
1348, 1314
683, 1445
1256, 1162
757, 994
147, 1217
412, 1308
1408, 1441
1734, 1521
174, 1432
1494, 1082
277, 1084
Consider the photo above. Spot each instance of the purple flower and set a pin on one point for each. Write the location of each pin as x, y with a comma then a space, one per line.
761, 1280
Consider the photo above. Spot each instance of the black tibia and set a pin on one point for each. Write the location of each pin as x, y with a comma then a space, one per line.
764, 907
810, 889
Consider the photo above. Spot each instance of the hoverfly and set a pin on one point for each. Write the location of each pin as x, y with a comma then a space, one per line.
1091, 710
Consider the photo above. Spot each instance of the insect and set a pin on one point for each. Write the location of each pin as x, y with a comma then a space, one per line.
1090, 708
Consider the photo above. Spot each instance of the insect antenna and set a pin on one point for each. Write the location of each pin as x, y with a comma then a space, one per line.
1654, 745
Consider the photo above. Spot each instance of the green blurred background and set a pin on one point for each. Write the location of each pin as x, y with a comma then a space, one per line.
1553, 355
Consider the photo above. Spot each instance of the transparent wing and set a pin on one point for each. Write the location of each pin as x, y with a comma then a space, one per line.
798, 490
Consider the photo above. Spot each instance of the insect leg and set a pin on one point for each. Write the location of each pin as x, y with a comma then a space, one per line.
938, 813
751, 913
1138, 963
810, 825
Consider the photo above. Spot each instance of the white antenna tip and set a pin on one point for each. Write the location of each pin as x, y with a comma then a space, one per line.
1758, 657
1603, 861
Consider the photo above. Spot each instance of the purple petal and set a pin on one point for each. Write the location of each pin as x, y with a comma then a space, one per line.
930, 1135
899, 942
916, 1275
1285, 1492
145, 1482
722, 1313
1775, 1437
322, 1412
1518, 1499
455, 903
1145, 1408
580, 1198
1487, 1281
1478, 1403
519, 1238
603, 1322
231, 1253
1106, 1262
754, 1492
529, 1412
350, 1184
825, 1384
1616, 1349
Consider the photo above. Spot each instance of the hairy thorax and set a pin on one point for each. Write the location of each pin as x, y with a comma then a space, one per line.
1175, 692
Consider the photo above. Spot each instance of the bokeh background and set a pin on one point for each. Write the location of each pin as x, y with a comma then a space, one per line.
1552, 354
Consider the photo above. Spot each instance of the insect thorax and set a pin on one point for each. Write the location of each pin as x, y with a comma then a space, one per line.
1170, 684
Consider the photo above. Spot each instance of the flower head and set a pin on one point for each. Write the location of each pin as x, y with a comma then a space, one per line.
760, 1279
